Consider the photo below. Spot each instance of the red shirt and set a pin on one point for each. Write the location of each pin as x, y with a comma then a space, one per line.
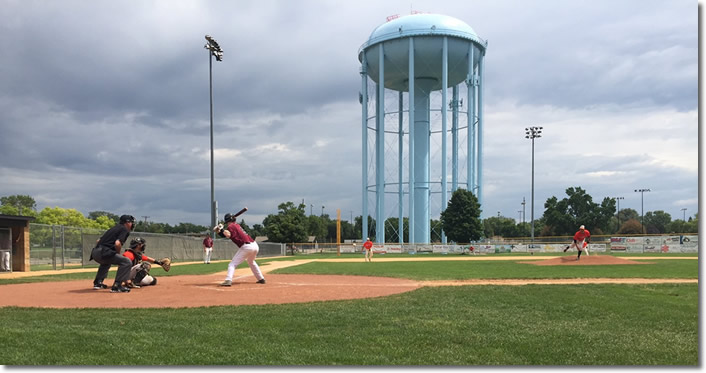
208, 241
582, 235
368, 245
238, 235
130, 255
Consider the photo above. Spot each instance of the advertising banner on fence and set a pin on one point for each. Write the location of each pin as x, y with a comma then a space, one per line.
597, 247
379, 249
485, 249
393, 249
519, 249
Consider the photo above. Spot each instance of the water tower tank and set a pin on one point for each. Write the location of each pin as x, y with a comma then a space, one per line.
416, 55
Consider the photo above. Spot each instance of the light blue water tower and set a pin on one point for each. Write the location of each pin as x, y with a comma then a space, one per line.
421, 56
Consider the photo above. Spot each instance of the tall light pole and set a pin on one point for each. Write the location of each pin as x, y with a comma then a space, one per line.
617, 215
533, 133
642, 195
322, 210
684, 211
213, 50
523, 209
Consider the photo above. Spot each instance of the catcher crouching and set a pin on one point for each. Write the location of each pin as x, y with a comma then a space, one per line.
141, 264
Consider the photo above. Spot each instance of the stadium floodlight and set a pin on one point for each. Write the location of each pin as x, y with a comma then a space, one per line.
213, 50
617, 215
532, 133
642, 219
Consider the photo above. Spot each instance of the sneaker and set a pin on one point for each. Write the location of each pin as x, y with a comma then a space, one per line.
567, 248
226, 283
119, 289
132, 285
99, 286
261, 281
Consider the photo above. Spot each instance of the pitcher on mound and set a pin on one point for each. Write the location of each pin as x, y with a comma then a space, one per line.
581, 240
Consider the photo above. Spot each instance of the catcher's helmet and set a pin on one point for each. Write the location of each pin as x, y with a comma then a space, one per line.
137, 242
228, 218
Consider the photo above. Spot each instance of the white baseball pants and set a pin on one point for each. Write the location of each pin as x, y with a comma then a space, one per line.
247, 252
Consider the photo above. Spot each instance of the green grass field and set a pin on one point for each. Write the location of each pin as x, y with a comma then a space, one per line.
645, 325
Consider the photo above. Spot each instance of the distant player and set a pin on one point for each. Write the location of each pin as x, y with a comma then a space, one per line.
207, 248
368, 248
581, 240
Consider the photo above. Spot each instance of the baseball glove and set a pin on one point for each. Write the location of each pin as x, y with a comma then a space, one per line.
166, 263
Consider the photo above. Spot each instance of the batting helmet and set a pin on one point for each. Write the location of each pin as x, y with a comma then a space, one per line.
228, 218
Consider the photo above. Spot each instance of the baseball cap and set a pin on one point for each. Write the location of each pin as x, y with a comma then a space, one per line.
582, 227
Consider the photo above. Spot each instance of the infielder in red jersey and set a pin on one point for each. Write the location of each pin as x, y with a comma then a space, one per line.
248, 249
368, 247
581, 240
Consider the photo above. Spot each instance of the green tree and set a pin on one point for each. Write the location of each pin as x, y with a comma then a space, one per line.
348, 231
627, 214
631, 226
435, 229
657, 221
565, 216
461, 219
289, 225
70, 218
19, 205
94, 215
392, 226
503, 227
359, 228
258, 230
317, 226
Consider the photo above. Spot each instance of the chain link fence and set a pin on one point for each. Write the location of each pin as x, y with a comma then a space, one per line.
61, 247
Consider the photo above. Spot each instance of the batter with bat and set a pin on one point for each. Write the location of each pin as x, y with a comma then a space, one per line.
247, 251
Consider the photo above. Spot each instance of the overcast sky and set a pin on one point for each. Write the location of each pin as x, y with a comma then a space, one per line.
104, 105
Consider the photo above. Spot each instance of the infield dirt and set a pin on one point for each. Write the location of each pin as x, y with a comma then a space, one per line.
204, 290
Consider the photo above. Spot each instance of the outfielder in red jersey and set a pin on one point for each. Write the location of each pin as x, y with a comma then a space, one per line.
248, 249
581, 240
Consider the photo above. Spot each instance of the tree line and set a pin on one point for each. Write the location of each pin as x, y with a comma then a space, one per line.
460, 221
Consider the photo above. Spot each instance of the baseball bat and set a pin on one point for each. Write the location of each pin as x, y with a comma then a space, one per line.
241, 212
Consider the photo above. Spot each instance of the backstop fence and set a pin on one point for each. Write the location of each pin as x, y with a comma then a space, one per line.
59, 247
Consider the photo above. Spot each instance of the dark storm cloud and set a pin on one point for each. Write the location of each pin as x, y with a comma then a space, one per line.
580, 54
115, 95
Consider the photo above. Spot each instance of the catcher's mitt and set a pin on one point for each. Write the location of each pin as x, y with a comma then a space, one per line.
166, 263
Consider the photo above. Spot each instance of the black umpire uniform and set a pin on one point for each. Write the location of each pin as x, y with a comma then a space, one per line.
106, 253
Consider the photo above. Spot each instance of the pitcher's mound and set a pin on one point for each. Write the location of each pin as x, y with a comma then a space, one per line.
585, 261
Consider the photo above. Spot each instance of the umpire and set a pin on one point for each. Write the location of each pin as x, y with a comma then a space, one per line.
107, 252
